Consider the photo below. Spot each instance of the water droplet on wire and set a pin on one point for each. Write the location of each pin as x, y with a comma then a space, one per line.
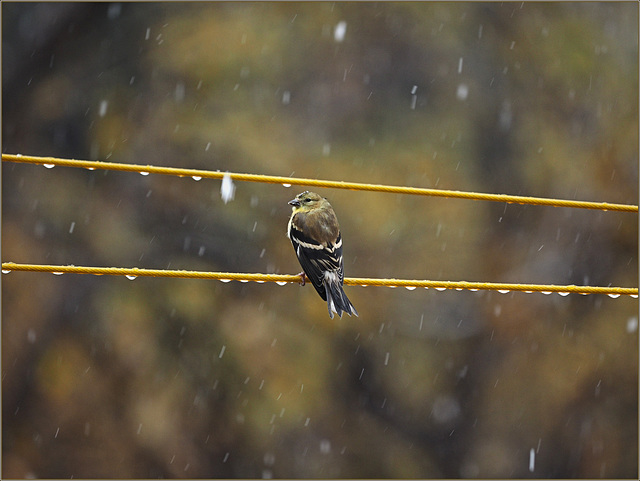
131, 277
49, 166
6, 271
613, 296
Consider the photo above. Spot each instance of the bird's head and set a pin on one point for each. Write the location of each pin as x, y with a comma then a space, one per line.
306, 201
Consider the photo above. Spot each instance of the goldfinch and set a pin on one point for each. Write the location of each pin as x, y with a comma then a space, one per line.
315, 234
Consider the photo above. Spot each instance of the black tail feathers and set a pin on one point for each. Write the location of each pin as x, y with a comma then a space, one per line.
337, 300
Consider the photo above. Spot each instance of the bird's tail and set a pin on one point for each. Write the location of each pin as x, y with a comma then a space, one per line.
337, 300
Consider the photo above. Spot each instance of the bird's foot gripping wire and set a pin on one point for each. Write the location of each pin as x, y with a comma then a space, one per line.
303, 278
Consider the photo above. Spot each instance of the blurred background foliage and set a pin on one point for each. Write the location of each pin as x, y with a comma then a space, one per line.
106, 377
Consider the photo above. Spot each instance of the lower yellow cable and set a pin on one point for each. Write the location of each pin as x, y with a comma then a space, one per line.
134, 272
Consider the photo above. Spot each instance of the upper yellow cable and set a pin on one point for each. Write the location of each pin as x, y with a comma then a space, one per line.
272, 179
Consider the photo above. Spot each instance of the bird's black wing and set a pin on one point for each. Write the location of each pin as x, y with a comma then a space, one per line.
317, 259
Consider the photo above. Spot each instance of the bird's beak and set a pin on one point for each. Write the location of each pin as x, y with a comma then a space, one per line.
294, 202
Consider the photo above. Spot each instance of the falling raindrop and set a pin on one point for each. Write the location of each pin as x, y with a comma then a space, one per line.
227, 189
102, 110
114, 11
180, 91
462, 92
532, 460
325, 446
269, 459
31, 336
632, 324
340, 31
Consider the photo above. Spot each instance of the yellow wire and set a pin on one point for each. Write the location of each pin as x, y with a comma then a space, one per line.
151, 169
287, 278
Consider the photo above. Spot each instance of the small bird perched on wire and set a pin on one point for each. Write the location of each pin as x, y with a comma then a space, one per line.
315, 235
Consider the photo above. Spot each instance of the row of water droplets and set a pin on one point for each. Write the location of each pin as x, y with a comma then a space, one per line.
612, 295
